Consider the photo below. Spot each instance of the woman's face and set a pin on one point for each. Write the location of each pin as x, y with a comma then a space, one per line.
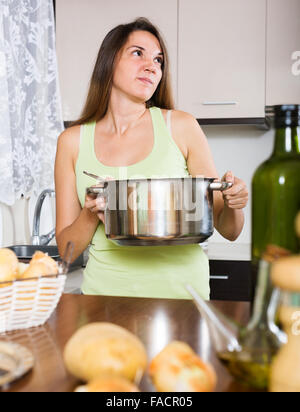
138, 68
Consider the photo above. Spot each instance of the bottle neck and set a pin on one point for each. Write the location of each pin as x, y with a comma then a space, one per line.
263, 294
287, 141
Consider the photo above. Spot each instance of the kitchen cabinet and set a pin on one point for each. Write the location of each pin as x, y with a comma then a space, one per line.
231, 280
283, 52
229, 59
221, 58
82, 25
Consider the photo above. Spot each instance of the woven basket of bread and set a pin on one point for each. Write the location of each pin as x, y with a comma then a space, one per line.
29, 293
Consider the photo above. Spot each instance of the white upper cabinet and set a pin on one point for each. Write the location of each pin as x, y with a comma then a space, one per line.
228, 58
283, 52
221, 58
81, 25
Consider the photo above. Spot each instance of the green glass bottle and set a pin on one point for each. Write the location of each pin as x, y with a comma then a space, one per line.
276, 188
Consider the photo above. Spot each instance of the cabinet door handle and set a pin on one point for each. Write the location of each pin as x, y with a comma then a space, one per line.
225, 103
219, 277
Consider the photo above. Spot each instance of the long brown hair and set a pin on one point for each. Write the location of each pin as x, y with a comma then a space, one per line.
99, 92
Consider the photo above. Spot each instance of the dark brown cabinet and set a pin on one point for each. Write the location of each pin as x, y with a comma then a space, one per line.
231, 280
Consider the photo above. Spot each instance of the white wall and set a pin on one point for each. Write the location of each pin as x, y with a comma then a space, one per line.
240, 149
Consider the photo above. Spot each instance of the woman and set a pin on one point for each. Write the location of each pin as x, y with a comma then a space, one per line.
128, 127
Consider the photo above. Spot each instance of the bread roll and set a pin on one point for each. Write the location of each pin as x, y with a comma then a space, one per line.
104, 348
40, 257
285, 273
9, 265
22, 268
177, 368
40, 265
108, 384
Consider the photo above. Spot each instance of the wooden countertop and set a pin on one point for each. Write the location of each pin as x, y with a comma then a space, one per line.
155, 321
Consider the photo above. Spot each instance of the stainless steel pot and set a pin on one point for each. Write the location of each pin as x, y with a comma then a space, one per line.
153, 212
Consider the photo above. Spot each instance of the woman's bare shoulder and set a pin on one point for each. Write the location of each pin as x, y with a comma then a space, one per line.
70, 135
68, 143
184, 119
69, 139
178, 115
185, 128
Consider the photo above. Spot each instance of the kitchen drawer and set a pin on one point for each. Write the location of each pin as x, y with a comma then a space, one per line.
231, 280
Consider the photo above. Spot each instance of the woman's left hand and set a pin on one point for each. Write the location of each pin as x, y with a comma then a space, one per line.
236, 197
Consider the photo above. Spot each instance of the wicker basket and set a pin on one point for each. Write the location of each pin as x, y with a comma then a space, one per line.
26, 303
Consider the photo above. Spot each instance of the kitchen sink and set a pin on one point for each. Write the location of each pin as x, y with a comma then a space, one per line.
25, 253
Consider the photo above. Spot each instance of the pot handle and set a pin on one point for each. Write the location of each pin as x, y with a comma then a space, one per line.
95, 191
220, 185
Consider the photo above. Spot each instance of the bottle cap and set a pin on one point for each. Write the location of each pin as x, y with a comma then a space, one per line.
287, 115
274, 252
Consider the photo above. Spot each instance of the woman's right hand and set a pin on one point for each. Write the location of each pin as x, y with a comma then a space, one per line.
95, 205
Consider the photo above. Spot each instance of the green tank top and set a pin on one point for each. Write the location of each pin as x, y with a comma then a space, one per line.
139, 271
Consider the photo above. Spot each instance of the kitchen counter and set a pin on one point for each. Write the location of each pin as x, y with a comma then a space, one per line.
229, 251
155, 321
74, 281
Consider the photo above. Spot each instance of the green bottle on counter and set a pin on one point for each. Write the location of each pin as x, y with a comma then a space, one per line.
276, 188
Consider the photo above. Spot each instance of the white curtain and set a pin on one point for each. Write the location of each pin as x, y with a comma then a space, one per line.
30, 107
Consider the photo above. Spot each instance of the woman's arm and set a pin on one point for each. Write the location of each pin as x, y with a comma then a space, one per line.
73, 223
228, 213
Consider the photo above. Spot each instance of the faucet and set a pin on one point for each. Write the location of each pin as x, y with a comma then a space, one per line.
36, 239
